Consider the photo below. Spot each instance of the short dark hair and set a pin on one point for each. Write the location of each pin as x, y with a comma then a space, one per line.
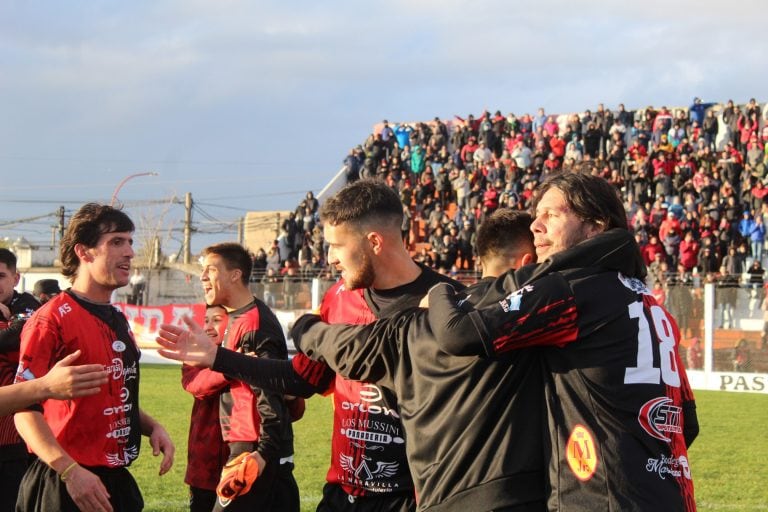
235, 256
7, 257
364, 202
504, 231
46, 286
591, 198
86, 227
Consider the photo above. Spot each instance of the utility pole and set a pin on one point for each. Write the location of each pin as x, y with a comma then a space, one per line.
241, 230
61, 222
187, 228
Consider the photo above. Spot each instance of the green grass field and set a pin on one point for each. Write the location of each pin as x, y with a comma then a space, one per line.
727, 460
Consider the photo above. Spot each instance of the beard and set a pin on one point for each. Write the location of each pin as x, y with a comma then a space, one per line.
364, 276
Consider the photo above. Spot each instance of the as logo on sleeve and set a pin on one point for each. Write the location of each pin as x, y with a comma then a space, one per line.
581, 453
659, 417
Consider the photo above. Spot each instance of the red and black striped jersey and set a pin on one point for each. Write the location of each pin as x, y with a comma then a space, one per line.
102, 429
247, 413
368, 443
22, 306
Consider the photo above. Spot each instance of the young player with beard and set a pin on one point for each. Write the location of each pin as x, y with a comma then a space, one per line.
369, 469
84, 445
619, 407
474, 425
207, 452
252, 419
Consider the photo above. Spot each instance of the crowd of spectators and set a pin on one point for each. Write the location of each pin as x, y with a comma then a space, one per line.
693, 180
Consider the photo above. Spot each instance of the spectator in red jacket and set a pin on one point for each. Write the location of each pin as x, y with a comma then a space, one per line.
652, 248
689, 252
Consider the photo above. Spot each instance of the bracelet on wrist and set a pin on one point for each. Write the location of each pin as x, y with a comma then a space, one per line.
63, 475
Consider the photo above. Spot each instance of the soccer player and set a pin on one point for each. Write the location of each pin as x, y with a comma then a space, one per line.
252, 420
85, 445
15, 309
369, 470
207, 452
619, 407
474, 425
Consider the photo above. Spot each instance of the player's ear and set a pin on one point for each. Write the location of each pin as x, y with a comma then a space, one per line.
376, 241
81, 251
527, 259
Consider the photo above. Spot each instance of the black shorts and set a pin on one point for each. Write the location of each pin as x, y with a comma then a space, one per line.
201, 500
274, 491
11, 473
335, 499
42, 490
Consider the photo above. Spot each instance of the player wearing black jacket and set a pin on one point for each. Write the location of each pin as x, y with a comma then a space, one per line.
473, 425
619, 407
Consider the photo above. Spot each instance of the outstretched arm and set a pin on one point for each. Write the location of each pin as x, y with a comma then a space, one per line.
358, 352
194, 347
61, 382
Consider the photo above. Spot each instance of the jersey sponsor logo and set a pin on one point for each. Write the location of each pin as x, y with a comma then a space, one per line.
370, 409
512, 301
660, 417
634, 284
117, 370
669, 466
364, 471
118, 433
64, 309
117, 409
129, 454
370, 393
118, 346
371, 437
581, 453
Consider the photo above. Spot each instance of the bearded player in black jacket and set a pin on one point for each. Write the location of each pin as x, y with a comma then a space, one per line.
473, 425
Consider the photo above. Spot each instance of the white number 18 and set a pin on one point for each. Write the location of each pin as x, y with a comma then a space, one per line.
645, 372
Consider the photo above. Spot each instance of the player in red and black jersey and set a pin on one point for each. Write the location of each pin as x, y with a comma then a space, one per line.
369, 470
620, 410
252, 419
15, 309
207, 452
84, 445
474, 425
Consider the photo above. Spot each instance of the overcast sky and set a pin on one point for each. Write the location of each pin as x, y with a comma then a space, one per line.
248, 104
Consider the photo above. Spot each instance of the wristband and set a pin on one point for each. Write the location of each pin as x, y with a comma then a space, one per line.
63, 475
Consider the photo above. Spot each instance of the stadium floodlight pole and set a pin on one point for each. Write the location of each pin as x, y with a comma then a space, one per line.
129, 177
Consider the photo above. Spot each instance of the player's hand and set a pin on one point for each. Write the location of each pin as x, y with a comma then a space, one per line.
64, 381
191, 346
161, 443
87, 491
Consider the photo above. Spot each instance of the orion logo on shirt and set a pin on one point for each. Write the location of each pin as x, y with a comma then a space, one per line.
512, 301
659, 418
370, 393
